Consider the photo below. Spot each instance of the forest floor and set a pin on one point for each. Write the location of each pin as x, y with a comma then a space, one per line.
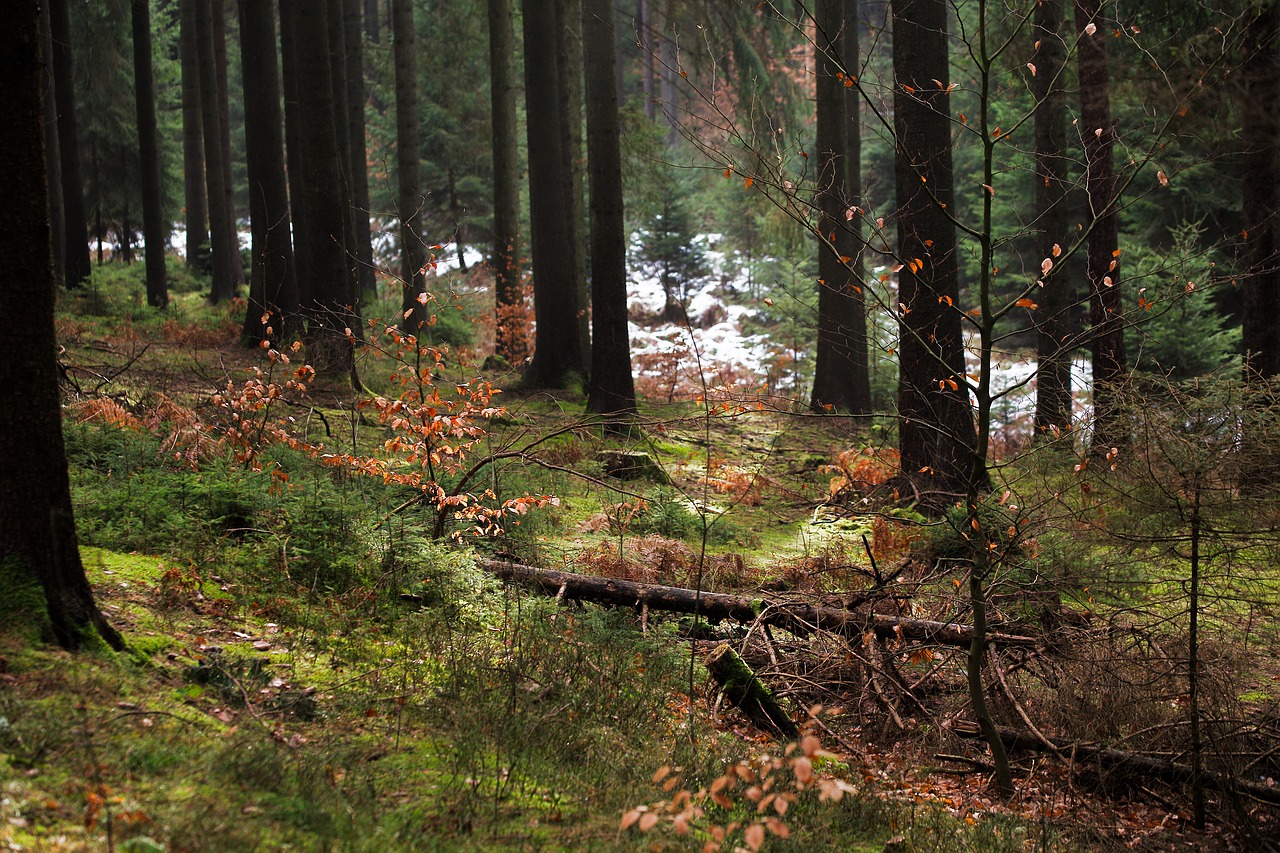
309, 668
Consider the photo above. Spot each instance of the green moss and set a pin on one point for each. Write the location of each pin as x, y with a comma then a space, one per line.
23, 610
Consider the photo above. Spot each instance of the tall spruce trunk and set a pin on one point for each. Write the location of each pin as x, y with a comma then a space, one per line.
221, 236
559, 358
154, 230
1106, 311
510, 338
57, 224
273, 289
936, 435
1260, 139
569, 71
840, 380
408, 166
341, 125
1055, 297
77, 266
219, 30
612, 389
330, 308
37, 528
293, 147
354, 38
196, 216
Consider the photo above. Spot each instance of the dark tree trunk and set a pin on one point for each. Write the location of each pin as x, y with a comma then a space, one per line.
293, 149
408, 166
338, 70
666, 42
1260, 115
1105, 308
37, 528
368, 280
569, 71
77, 266
219, 30
197, 205
372, 27
559, 358
648, 73
612, 389
936, 429
273, 289
510, 340
154, 232
1053, 373
56, 220
220, 235
330, 310
840, 381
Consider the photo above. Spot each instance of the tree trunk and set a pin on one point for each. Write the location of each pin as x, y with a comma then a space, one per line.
338, 70
293, 148
559, 359
193, 180
408, 166
77, 266
273, 289
666, 70
219, 30
840, 381
936, 430
155, 233
330, 310
37, 528
1260, 138
1127, 763
797, 617
511, 339
569, 71
1105, 308
648, 75
612, 389
220, 235
57, 223
354, 38
372, 27
1053, 373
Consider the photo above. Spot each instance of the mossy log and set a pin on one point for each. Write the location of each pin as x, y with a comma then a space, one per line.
632, 465
747, 692
800, 618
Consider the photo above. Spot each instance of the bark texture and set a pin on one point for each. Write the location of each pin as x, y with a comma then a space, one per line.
612, 389
935, 423
408, 166
76, 265
196, 214
221, 236
155, 232
1106, 311
511, 342
273, 289
559, 358
37, 528
1053, 332
840, 379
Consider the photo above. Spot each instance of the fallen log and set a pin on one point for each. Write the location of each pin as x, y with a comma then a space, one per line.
1125, 762
800, 618
744, 689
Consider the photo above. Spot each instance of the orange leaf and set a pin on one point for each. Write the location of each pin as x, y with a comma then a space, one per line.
1026, 303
